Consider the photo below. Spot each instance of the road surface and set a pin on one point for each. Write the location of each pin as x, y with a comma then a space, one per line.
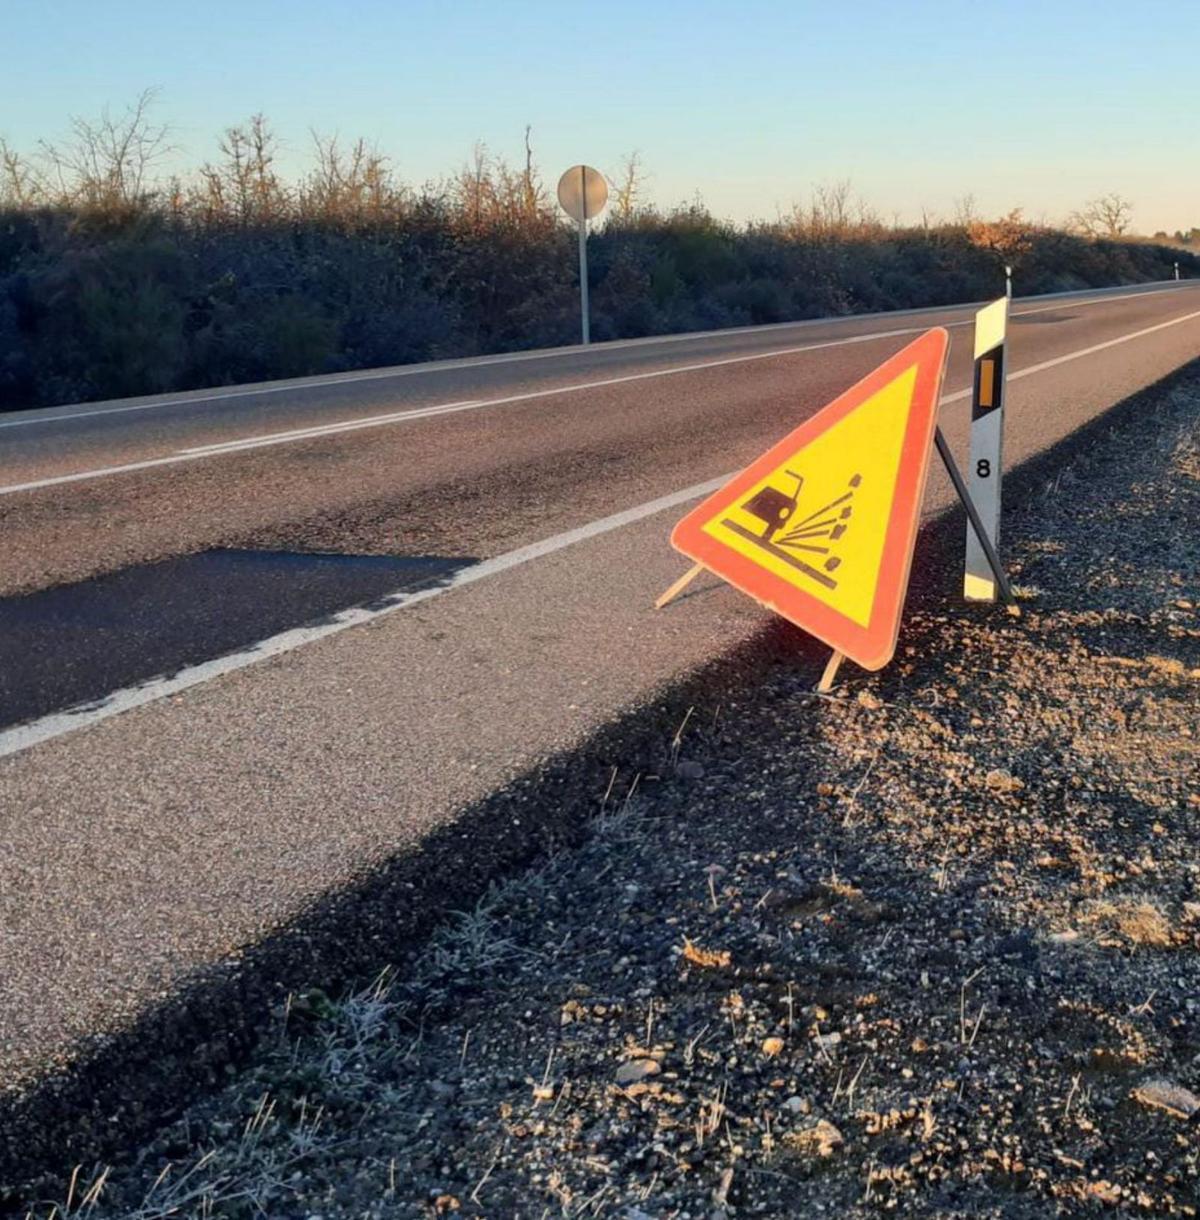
180, 820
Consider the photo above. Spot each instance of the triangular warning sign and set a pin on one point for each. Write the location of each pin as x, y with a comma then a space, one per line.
821, 527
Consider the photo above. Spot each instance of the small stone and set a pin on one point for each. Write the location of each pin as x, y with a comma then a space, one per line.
1165, 1095
822, 1139
1105, 1192
828, 1041
772, 1046
709, 959
797, 1105
686, 768
1002, 781
869, 701
635, 1070
1019, 945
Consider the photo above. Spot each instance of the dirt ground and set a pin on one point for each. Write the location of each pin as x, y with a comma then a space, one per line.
926, 946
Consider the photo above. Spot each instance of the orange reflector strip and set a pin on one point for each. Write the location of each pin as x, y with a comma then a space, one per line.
987, 383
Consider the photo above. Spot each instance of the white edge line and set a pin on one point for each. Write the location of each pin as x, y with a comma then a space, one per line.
278, 438
22, 737
269, 439
243, 444
470, 362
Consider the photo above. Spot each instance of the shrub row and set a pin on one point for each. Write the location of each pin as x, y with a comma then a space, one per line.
94, 305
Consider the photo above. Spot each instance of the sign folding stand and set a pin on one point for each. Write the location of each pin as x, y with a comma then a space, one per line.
820, 529
678, 587
981, 533
836, 658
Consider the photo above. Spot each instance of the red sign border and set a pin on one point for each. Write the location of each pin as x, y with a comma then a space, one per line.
872, 646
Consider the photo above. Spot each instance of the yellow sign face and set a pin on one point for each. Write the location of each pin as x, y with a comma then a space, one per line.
819, 519
821, 528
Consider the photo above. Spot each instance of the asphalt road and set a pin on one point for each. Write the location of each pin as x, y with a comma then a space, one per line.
140, 847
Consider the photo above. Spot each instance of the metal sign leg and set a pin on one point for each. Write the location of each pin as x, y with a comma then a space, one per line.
976, 524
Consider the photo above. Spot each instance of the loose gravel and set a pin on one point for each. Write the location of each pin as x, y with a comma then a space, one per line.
926, 946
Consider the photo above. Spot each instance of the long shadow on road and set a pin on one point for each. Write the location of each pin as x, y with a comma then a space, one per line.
75, 644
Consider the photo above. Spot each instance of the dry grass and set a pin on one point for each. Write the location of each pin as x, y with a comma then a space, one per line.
1139, 920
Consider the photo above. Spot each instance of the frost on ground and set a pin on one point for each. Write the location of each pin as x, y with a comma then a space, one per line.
927, 946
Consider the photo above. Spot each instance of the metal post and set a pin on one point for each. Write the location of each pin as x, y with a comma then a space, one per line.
976, 524
1008, 281
1176, 270
583, 270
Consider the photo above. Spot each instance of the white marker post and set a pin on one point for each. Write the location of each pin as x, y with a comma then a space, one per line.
582, 194
1176, 270
987, 446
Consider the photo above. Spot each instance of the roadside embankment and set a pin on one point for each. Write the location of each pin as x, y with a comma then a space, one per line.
930, 945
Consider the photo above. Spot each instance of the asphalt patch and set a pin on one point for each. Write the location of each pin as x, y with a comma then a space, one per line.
75, 644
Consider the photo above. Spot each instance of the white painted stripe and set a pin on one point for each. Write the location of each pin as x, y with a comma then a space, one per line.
22, 737
55, 415
345, 425
370, 421
958, 395
303, 434
1097, 347
266, 440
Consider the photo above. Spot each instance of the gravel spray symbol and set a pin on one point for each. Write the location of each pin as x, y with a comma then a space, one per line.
775, 509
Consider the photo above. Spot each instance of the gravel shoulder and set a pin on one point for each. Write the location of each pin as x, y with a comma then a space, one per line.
927, 946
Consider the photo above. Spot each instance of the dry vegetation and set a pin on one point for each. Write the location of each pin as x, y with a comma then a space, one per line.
115, 280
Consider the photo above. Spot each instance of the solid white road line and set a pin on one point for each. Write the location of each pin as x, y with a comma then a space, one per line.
22, 737
373, 421
59, 723
244, 444
370, 421
59, 415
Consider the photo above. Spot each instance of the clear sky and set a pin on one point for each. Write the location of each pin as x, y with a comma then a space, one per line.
1037, 105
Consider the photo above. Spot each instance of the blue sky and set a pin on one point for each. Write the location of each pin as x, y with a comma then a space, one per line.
1038, 105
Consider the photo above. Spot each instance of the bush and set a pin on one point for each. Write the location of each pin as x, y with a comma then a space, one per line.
241, 277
